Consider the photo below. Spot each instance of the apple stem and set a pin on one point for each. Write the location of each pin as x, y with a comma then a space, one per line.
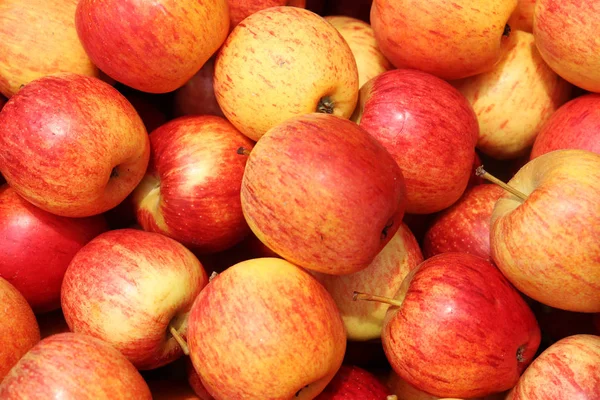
373, 297
243, 151
485, 175
325, 106
213, 275
392, 397
180, 340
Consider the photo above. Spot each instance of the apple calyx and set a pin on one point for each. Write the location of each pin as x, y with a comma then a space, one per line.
114, 173
243, 151
480, 172
520, 352
325, 105
372, 297
386, 228
213, 275
182, 343
507, 30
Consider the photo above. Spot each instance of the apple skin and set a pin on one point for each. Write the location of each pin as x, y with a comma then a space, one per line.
274, 66
462, 329
197, 96
99, 145
562, 30
521, 86
283, 324
563, 207
191, 191
151, 46
361, 39
293, 183
429, 127
354, 383
575, 125
451, 40
74, 366
45, 44
566, 370
19, 330
241, 9
522, 18
36, 247
195, 382
464, 226
128, 287
364, 320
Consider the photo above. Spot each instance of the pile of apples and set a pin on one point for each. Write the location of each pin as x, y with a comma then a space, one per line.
269, 199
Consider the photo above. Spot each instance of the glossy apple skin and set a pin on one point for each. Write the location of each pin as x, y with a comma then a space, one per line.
462, 330
75, 366
522, 17
191, 191
562, 30
152, 46
514, 100
558, 263
451, 40
19, 330
575, 125
197, 96
127, 287
569, 369
293, 183
354, 383
464, 226
364, 320
274, 66
36, 247
429, 127
241, 9
283, 325
72, 145
361, 39
46, 44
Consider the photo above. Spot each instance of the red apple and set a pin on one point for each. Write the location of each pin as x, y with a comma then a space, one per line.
464, 226
459, 328
241, 9
197, 96
431, 130
38, 38
74, 366
19, 330
283, 337
133, 289
322, 193
36, 247
72, 145
569, 369
152, 46
450, 39
195, 382
575, 125
51, 323
354, 383
191, 191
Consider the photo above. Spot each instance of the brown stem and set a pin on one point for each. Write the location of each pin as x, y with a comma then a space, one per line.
182, 343
373, 297
213, 275
483, 174
243, 151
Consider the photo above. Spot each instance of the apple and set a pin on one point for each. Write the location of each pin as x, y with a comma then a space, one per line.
575, 125
322, 193
547, 245
51, 323
36, 247
283, 62
38, 38
354, 383
458, 328
241, 9
191, 191
194, 381
280, 320
19, 330
72, 145
566, 370
364, 320
361, 39
451, 40
134, 290
431, 130
74, 366
514, 99
465, 225
522, 18
197, 96
562, 30
151, 46
357, 9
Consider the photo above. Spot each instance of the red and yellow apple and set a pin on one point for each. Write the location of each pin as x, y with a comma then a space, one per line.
241, 9
354, 383
197, 96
